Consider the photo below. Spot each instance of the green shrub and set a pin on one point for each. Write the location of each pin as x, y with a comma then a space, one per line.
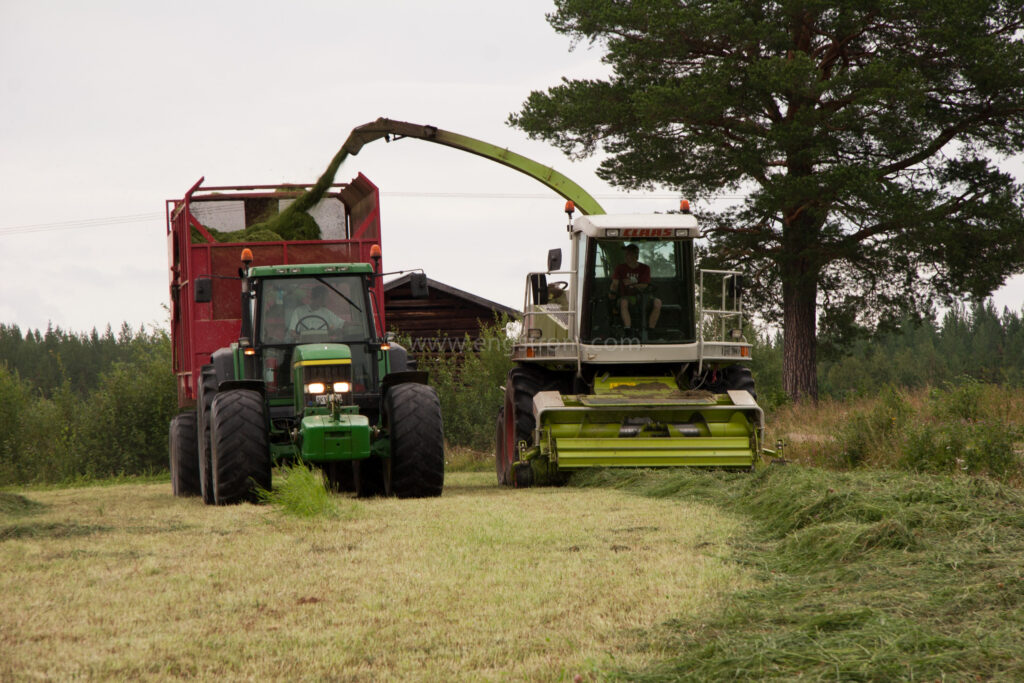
299, 490
470, 387
971, 447
878, 428
961, 400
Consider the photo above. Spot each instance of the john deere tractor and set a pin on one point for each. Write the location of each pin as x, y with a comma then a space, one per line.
311, 380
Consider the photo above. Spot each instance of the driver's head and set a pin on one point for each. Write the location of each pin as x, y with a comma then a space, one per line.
632, 252
318, 295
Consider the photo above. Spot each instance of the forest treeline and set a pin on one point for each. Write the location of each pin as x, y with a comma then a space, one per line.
83, 406
94, 405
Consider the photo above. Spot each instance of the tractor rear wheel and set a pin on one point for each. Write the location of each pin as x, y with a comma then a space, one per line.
412, 414
239, 445
206, 392
184, 460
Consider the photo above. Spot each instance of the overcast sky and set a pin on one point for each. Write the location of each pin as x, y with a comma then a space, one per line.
109, 108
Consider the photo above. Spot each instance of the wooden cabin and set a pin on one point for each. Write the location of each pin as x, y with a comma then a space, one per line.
439, 324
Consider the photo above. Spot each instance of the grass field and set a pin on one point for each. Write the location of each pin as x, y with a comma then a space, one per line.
127, 582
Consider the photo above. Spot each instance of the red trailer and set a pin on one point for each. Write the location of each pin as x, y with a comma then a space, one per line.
204, 277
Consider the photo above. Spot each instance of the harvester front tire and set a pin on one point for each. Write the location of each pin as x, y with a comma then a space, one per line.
502, 462
184, 460
205, 394
412, 414
239, 445
517, 422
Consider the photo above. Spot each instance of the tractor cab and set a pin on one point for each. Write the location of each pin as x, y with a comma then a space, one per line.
293, 309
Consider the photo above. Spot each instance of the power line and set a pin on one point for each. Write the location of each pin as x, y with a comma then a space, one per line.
145, 217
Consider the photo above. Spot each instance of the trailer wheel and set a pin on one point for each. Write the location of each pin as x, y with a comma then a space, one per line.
371, 477
340, 476
207, 391
240, 450
182, 445
412, 414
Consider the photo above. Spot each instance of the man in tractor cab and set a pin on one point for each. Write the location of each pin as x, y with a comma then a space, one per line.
315, 316
630, 280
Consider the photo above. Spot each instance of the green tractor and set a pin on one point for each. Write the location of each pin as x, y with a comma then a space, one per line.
310, 379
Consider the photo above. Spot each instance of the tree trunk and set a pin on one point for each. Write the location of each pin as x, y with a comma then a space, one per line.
799, 333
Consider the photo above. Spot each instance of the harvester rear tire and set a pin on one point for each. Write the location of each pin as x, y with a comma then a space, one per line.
205, 394
732, 377
740, 377
182, 445
239, 445
412, 414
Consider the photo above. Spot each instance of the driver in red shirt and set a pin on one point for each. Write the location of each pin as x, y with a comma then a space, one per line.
630, 279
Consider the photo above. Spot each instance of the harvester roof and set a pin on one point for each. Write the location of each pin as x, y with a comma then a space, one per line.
631, 226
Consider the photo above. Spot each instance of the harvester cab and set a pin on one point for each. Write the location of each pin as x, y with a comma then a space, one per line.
630, 357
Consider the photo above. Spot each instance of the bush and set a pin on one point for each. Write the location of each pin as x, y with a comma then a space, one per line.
971, 447
875, 431
470, 387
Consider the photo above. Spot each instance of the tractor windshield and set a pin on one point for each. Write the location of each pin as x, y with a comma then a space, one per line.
642, 289
306, 310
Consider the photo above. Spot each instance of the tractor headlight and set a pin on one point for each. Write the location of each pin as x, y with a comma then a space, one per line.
342, 387
315, 388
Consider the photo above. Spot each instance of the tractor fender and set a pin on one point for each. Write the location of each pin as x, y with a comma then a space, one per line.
395, 378
250, 384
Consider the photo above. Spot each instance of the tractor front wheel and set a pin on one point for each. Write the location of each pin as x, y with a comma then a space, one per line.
184, 460
239, 445
412, 414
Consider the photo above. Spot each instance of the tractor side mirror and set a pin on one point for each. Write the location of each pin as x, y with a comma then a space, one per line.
539, 288
554, 259
418, 286
203, 293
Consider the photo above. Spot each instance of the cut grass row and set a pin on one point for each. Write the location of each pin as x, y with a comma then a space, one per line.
866, 575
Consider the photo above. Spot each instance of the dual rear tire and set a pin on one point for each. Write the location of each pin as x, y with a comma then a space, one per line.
184, 459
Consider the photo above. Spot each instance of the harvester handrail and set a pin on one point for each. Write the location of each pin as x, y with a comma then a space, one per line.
714, 314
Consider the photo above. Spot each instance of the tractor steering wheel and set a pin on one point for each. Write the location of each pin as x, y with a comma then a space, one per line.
311, 323
558, 287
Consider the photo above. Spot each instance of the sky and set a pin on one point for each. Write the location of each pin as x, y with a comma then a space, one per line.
109, 108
